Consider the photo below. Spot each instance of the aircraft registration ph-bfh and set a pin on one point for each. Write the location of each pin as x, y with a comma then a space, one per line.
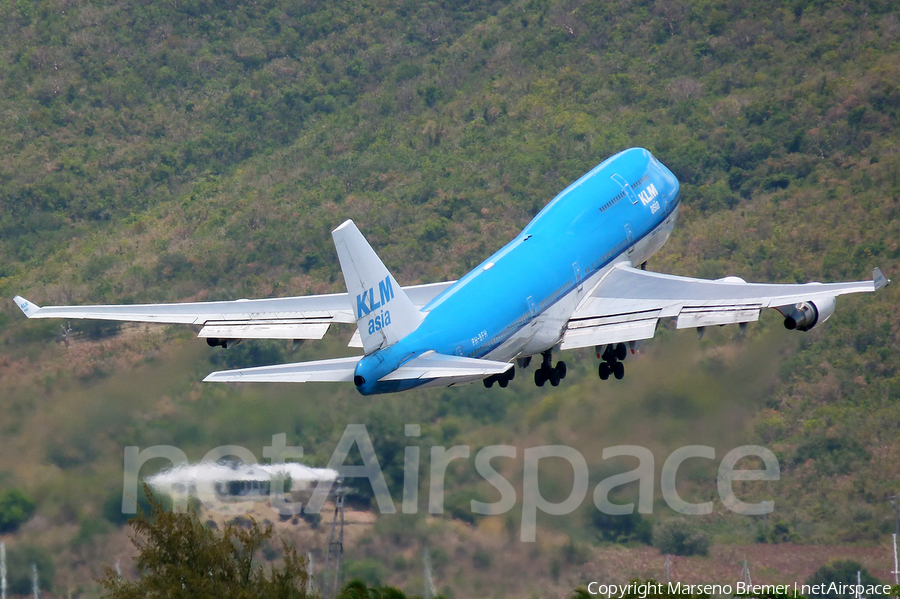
574, 277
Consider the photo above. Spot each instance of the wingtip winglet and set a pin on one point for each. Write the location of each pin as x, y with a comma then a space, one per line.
347, 223
879, 279
25, 306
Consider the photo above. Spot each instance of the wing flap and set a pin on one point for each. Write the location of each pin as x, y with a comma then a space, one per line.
431, 365
336, 370
590, 332
693, 317
264, 330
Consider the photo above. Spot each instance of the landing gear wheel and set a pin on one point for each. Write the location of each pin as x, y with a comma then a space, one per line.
561, 369
511, 374
503, 383
621, 351
609, 354
603, 371
619, 371
488, 382
539, 377
554, 377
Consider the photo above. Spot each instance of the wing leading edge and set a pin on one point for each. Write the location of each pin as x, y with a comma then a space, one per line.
627, 303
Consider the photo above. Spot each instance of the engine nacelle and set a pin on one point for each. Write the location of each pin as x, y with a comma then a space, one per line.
806, 315
226, 343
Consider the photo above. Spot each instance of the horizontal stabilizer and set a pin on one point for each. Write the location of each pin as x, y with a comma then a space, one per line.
431, 365
355, 340
337, 370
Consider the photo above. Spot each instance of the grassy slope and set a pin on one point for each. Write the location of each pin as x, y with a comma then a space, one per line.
440, 132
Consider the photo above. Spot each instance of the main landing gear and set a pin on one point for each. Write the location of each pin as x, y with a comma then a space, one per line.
545, 373
549, 373
501, 379
612, 361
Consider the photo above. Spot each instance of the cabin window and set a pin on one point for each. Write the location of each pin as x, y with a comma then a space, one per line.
640, 181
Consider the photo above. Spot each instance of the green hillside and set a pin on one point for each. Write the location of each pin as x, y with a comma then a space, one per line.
189, 150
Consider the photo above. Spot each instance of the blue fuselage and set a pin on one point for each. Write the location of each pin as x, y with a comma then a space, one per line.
516, 302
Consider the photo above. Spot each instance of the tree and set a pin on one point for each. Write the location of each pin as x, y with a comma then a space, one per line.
15, 507
357, 589
180, 558
842, 572
112, 506
622, 528
677, 537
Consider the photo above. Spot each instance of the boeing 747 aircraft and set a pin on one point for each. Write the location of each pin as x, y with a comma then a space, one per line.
574, 277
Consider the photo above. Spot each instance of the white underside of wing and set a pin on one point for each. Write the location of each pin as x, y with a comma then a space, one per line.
331, 308
627, 303
305, 317
431, 365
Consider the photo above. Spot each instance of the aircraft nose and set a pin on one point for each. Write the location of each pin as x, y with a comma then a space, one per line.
670, 188
674, 194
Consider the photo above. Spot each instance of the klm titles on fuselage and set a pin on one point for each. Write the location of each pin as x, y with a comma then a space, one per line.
648, 196
366, 305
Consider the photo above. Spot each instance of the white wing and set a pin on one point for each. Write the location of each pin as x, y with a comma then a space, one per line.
278, 318
627, 303
429, 365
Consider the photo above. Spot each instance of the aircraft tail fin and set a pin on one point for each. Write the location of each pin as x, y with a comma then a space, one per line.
26, 307
384, 312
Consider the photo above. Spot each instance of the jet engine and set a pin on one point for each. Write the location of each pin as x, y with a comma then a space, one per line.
806, 315
226, 343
